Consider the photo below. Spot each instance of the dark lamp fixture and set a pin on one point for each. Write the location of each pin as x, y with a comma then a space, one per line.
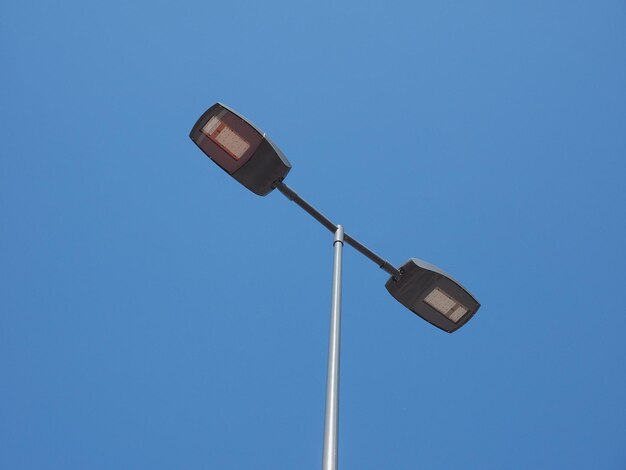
433, 295
240, 149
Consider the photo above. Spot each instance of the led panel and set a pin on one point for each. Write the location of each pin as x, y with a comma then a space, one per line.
445, 304
211, 126
457, 313
225, 137
440, 301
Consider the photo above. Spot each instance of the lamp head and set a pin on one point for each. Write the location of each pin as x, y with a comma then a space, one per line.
433, 295
240, 149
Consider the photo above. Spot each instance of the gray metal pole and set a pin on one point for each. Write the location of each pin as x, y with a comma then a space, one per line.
332, 379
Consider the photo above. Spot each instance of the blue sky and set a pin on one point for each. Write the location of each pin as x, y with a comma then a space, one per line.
156, 314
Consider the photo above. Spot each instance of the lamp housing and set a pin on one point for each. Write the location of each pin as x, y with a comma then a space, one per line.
433, 295
240, 149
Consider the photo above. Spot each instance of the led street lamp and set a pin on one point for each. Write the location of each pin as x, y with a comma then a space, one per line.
248, 155
433, 295
245, 153
240, 149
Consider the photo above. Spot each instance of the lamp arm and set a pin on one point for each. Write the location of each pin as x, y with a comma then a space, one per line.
322, 219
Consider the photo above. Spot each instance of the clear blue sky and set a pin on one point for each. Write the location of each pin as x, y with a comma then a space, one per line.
154, 314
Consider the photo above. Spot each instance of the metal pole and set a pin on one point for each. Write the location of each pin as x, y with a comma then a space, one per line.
332, 379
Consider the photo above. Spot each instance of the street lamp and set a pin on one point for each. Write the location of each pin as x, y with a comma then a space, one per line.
433, 295
240, 149
245, 153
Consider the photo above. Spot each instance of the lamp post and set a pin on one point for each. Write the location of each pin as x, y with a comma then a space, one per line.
248, 155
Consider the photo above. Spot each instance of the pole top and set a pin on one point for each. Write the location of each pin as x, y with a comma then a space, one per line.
339, 234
